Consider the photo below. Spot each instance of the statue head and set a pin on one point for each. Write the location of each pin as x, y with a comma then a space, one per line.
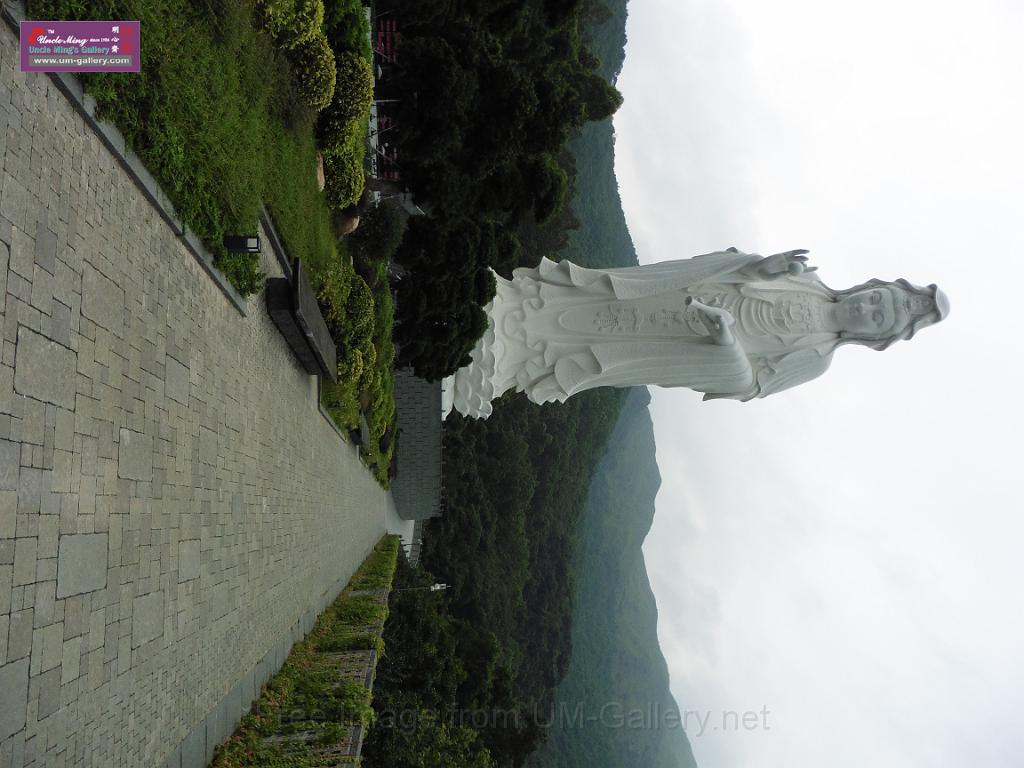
879, 313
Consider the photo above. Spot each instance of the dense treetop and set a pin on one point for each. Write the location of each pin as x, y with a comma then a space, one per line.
484, 95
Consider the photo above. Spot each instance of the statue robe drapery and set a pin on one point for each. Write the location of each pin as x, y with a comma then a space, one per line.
559, 329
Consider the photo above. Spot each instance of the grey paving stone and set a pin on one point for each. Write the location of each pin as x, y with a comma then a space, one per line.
60, 329
33, 421
48, 532
49, 693
70, 665
14, 702
30, 488
76, 616
15, 202
46, 247
44, 600
176, 381
102, 300
147, 618
6, 584
25, 561
207, 445
6, 380
45, 369
135, 455
47, 648
19, 637
81, 563
10, 464
61, 475
5, 257
188, 560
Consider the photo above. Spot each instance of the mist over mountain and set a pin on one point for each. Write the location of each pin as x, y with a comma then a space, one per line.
617, 676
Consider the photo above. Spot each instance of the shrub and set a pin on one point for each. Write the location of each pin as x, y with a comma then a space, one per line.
353, 96
345, 178
347, 26
351, 366
359, 611
341, 401
356, 354
333, 283
292, 22
242, 271
369, 372
360, 311
355, 84
315, 71
335, 131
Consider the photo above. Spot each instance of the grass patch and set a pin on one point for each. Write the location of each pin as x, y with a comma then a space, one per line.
360, 611
307, 695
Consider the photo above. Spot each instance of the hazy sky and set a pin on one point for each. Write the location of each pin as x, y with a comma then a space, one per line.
847, 554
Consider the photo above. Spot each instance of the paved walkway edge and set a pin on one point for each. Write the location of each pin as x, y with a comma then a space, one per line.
277, 247
196, 750
14, 12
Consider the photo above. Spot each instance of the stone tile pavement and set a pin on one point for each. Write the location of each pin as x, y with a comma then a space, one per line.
171, 499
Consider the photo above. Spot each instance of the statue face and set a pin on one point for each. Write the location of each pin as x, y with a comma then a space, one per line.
870, 312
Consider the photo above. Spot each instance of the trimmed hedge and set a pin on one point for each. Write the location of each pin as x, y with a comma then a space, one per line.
360, 310
292, 22
315, 70
345, 179
353, 97
357, 355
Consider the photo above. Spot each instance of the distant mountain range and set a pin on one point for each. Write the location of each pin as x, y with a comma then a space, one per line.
617, 668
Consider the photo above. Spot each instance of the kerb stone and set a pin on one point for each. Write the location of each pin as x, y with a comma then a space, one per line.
14, 701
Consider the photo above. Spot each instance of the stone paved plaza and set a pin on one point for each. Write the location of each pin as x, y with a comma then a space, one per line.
171, 498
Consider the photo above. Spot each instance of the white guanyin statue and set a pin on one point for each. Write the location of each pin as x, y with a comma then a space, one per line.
729, 324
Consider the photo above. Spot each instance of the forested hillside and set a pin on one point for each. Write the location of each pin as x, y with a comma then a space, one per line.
616, 660
483, 96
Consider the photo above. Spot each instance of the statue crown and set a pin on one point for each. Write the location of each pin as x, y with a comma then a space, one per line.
916, 305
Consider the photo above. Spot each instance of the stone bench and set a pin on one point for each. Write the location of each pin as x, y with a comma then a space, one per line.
292, 306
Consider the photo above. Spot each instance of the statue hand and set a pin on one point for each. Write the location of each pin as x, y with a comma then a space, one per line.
716, 320
787, 263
